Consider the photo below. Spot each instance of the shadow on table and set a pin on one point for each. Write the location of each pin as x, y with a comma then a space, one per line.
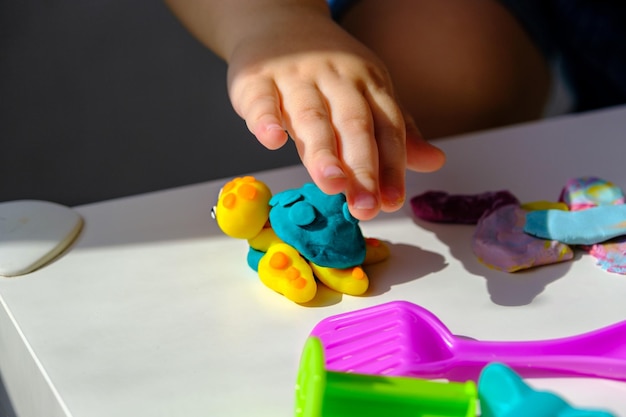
505, 289
406, 263
6, 408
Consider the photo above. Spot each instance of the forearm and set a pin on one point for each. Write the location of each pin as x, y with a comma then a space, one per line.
291, 68
222, 25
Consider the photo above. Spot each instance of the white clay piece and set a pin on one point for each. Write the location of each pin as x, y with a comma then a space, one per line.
34, 232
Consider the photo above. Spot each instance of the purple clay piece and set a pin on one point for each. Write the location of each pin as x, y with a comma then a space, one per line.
441, 207
611, 255
500, 243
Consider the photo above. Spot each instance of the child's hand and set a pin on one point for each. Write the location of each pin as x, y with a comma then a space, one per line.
300, 72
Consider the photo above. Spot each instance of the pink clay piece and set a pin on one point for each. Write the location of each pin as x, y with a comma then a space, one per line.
611, 255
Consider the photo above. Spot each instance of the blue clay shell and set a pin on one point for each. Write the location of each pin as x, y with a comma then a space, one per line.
318, 225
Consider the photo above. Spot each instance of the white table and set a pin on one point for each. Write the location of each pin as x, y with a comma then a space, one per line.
153, 312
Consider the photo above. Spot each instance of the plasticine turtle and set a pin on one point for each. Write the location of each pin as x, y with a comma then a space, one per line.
296, 236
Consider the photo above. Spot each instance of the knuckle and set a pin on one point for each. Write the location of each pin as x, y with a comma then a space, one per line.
311, 114
392, 135
250, 98
365, 174
316, 152
356, 124
391, 173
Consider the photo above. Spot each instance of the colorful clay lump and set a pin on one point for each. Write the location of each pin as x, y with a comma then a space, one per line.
588, 192
500, 242
296, 236
509, 236
322, 393
402, 339
503, 393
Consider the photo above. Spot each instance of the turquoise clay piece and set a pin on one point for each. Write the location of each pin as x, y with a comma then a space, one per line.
503, 393
319, 226
584, 227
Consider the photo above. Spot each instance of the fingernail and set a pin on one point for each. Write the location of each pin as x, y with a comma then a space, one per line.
333, 171
394, 197
365, 201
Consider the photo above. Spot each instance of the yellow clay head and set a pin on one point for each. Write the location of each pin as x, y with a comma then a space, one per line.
242, 208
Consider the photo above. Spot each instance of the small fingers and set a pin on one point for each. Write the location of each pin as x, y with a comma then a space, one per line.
390, 139
354, 126
258, 103
350, 138
307, 116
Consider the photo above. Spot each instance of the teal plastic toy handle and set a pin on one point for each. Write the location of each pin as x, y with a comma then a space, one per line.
321, 393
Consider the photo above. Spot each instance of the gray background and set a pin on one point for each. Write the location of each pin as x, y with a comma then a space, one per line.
105, 98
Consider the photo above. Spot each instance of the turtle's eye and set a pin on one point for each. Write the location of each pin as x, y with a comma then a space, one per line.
214, 212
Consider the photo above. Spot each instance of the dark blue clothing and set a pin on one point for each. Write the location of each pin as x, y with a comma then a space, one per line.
587, 37
339, 7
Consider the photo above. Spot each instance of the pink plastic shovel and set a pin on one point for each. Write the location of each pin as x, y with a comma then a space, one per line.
401, 338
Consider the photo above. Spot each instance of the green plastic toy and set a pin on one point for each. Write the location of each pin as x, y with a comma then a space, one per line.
322, 393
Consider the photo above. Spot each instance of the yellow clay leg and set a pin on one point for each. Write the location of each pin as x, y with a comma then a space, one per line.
283, 270
351, 281
375, 251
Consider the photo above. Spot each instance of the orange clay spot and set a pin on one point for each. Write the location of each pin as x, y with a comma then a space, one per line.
248, 178
247, 192
370, 241
279, 260
298, 283
358, 273
293, 273
230, 200
228, 186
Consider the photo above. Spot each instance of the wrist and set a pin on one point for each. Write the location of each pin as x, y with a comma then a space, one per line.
274, 24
